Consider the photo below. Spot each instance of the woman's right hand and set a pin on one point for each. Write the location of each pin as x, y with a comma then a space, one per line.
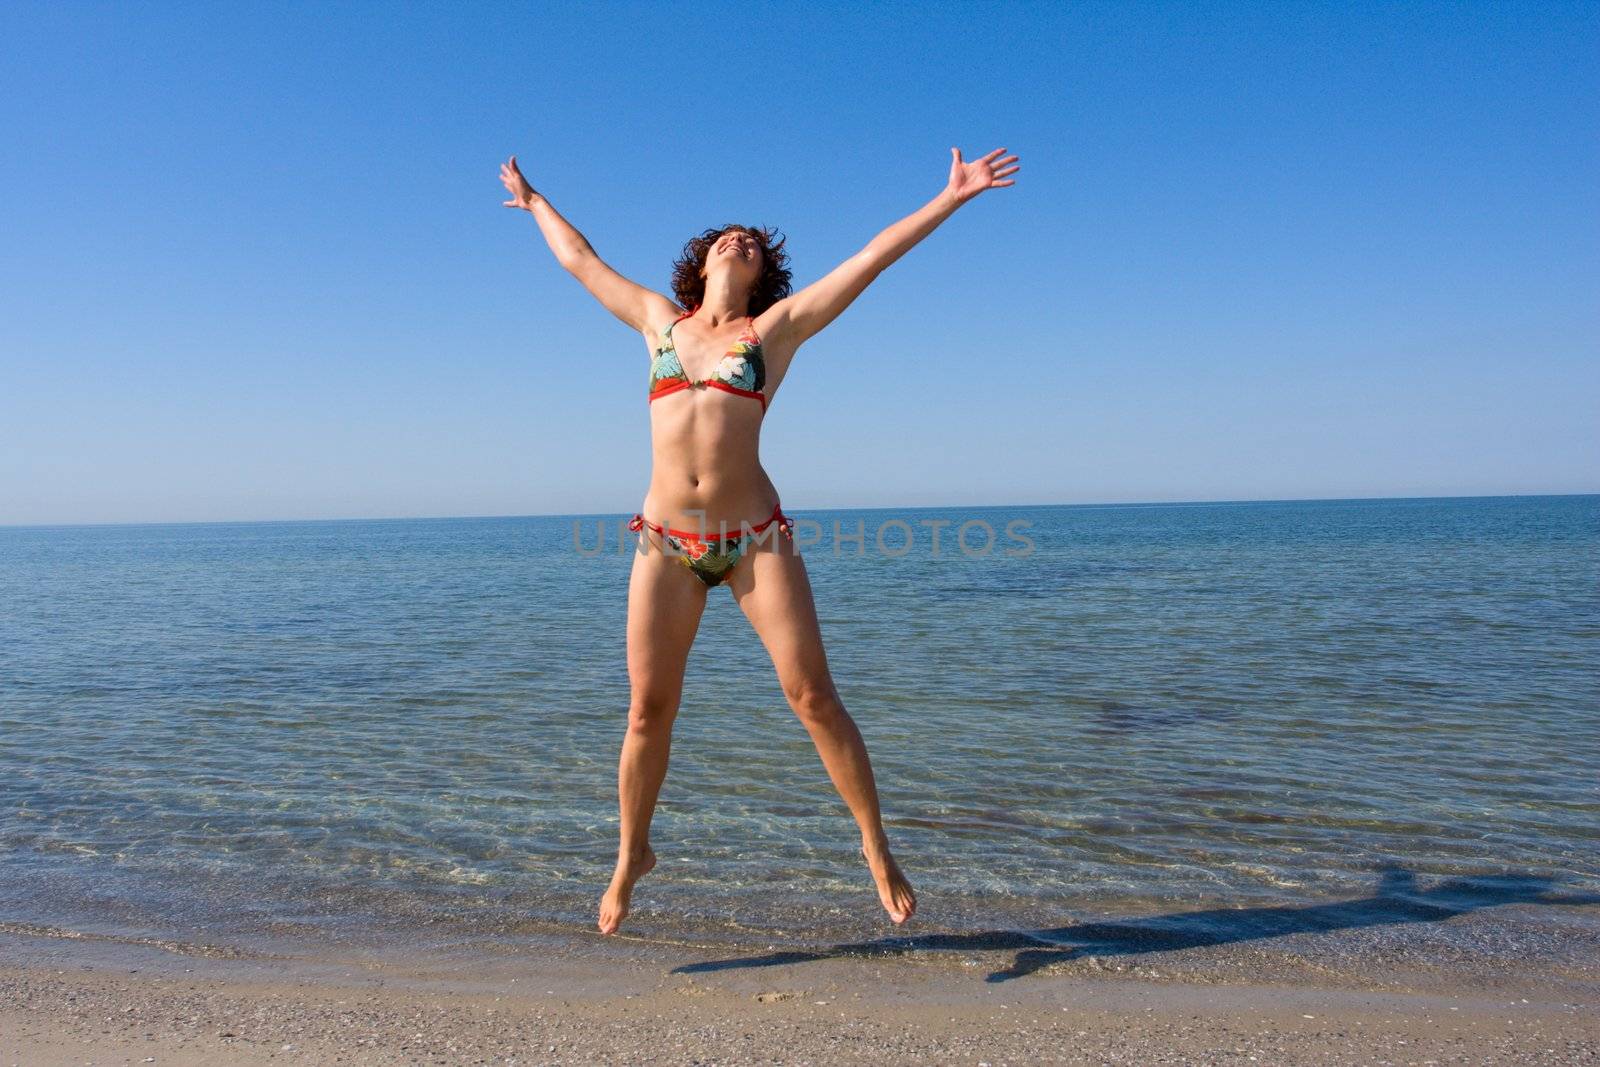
522, 194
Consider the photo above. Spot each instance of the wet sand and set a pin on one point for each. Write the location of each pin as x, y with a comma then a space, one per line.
72, 999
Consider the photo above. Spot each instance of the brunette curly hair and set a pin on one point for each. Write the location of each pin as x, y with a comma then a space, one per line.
772, 286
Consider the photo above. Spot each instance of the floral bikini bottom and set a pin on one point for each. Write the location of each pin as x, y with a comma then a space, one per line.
712, 558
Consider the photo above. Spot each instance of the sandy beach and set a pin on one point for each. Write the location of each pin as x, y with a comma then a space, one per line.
1343, 997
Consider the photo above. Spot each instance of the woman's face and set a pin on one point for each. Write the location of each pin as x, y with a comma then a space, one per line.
738, 252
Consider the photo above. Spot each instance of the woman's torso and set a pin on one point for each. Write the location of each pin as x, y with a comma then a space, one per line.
705, 440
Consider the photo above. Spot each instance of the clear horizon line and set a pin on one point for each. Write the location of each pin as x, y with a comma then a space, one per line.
880, 507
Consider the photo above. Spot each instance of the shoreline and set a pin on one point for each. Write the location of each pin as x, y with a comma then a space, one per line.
71, 998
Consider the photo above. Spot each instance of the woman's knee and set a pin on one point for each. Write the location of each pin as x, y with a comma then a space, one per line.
652, 713
814, 700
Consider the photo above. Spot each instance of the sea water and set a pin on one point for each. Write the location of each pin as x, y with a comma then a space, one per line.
390, 726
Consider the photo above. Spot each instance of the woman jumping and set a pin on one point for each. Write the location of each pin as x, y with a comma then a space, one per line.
711, 512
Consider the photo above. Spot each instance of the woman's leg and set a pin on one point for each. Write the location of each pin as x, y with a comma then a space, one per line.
665, 603
771, 587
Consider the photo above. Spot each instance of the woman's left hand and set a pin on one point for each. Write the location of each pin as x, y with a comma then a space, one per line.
967, 180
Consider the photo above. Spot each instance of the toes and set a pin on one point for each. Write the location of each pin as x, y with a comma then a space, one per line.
611, 915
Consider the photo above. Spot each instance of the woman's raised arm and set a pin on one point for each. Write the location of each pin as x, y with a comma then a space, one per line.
805, 313
632, 303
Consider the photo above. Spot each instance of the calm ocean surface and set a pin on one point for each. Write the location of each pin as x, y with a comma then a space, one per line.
326, 728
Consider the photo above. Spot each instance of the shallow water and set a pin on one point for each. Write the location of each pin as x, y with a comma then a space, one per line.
327, 727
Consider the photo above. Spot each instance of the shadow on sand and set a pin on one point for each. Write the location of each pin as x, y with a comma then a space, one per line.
1396, 900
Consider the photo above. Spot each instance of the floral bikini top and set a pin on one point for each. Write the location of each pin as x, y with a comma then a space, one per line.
742, 371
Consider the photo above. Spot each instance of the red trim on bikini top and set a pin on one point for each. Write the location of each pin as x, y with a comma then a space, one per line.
715, 383
638, 522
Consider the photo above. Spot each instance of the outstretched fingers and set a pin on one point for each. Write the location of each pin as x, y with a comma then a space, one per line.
999, 170
996, 164
517, 185
991, 170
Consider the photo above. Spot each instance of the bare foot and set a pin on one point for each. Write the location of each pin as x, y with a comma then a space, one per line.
614, 905
893, 890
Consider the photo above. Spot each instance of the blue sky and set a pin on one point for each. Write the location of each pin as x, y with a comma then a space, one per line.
256, 264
